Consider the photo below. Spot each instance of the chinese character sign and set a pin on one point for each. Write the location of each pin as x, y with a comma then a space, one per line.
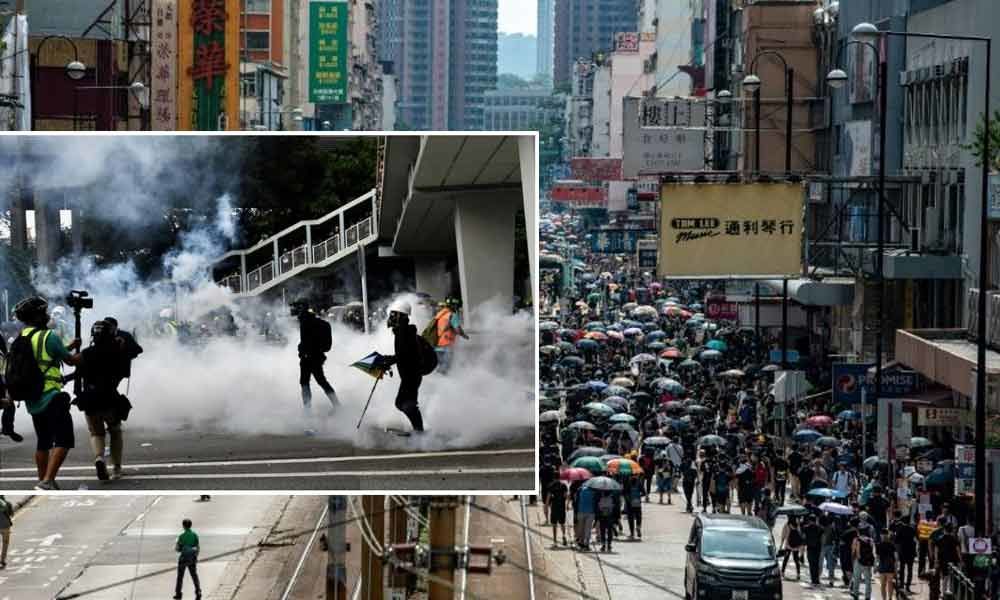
207, 49
163, 70
328, 52
730, 230
615, 241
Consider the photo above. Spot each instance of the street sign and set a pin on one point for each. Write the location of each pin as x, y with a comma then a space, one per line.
647, 258
615, 241
848, 379
720, 308
965, 469
792, 355
941, 417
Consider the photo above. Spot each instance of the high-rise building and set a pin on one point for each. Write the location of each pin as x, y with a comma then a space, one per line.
586, 27
262, 74
546, 29
447, 61
521, 109
517, 54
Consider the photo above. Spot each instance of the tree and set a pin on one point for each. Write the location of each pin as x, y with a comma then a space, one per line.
977, 147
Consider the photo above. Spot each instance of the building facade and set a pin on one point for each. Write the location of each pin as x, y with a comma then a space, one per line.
546, 31
521, 109
584, 28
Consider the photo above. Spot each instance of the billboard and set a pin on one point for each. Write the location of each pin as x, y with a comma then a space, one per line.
595, 169
848, 381
652, 150
208, 52
627, 41
859, 147
163, 71
647, 254
731, 230
579, 195
618, 195
720, 308
615, 241
328, 51
673, 112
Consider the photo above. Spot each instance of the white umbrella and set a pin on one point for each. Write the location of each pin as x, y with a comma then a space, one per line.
835, 508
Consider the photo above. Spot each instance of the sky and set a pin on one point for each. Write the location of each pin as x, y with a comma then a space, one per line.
518, 16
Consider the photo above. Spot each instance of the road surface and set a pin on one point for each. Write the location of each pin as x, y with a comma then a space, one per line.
122, 546
188, 460
652, 568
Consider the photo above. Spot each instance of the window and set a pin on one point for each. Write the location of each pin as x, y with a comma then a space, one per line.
258, 6
258, 40
248, 85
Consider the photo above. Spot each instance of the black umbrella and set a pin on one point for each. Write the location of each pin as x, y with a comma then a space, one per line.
711, 440
582, 425
586, 451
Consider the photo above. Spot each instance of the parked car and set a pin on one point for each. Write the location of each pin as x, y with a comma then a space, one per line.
731, 557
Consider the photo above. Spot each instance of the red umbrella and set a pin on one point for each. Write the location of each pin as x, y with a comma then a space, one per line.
574, 474
819, 421
670, 353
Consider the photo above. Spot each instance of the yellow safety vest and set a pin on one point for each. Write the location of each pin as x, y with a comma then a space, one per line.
925, 529
50, 368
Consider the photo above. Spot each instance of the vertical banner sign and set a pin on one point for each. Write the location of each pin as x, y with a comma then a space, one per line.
328, 52
163, 88
208, 57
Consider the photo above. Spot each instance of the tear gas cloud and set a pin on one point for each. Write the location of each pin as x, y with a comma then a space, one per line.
246, 385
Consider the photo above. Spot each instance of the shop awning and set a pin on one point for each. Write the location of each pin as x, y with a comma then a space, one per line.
945, 356
832, 291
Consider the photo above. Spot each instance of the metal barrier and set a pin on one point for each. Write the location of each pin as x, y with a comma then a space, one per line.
961, 587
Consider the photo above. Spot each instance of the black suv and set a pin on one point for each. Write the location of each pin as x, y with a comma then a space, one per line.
731, 557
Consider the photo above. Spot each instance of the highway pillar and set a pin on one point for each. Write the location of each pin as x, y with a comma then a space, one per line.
484, 239
529, 189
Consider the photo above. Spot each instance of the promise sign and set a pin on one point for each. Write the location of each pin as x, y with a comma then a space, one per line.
731, 230
328, 52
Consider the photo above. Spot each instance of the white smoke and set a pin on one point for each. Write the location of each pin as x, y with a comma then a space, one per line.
246, 385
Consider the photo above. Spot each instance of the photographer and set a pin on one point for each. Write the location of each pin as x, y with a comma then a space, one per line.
128, 348
100, 373
49, 410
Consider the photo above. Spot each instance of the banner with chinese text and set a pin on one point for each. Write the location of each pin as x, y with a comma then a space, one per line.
731, 230
208, 59
163, 87
328, 52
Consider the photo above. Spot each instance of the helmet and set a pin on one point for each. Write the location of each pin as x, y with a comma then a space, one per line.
453, 303
32, 310
399, 311
100, 332
299, 307
58, 312
167, 313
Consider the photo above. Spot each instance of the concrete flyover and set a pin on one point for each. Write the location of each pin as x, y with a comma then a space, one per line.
447, 197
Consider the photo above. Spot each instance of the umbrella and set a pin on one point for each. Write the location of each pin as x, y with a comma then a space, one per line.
591, 463
622, 418
548, 416
804, 436
836, 509
644, 313
640, 398
770, 368
673, 406
849, 415
940, 477
656, 441
874, 463
711, 440
596, 385
567, 335
605, 484
655, 346
671, 386
632, 332
585, 451
549, 404
615, 390
827, 442
548, 326
827, 493
698, 409
793, 510
671, 353
920, 442
566, 347
615, 336
641, 358
599, 409
596, 336
717, 345
623, 466
732, 373
574, 474
572, 361
607, 457
710, 355
819, 421
679, 424
594, 325
622, 427
587, 344
582, 426
624, 382
617, 403
655, 336
546, 350
689, 364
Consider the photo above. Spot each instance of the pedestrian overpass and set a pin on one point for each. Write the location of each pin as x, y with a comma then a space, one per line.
303, 249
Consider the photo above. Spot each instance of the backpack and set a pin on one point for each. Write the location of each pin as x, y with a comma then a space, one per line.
427, 355
324, 336
430, 333
23, 374
866, 551
605, 505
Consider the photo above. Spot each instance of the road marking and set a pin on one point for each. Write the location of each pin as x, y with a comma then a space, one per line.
47, 540
305, 552
312, 474
290, 461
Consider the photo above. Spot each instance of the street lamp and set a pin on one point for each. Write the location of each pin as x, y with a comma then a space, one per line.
865, 32
752, 83
724, 95
75, 70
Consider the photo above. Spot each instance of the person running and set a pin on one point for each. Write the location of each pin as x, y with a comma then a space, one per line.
555, 504
187, 548
50, 411
314, 342
6, 523
407, 361
791, 545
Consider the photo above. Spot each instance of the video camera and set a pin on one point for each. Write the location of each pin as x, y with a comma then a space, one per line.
79, 300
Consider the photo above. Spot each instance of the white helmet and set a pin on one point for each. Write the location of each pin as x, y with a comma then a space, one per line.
401, 306
167, 313
58, 312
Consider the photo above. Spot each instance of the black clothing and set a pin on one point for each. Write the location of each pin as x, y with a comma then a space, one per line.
312, 366
309, 335
98, 372
407, 361
54, 425
877, 508
129, 349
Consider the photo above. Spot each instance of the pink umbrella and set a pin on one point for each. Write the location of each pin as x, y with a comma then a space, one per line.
819, 421
596, 335
670, 353
574, 474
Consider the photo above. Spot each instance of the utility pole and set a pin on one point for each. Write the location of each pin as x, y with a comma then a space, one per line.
372, 586
444, 559
336, 537
397, 536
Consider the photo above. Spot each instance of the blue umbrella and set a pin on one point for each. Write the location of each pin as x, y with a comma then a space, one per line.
655, 336
710, 355
849, 415
615, 390
595, 325
717, 345
596, 385
828, 493
587, 344
941, 476
806, 436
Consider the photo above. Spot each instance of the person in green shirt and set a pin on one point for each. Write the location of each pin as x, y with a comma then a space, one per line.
187, 559
49, 412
